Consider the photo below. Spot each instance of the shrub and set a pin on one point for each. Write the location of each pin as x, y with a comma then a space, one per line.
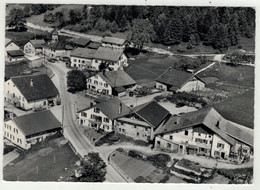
159, 160
165, 179
134, 154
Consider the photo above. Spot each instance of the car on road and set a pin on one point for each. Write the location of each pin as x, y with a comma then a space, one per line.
53, 60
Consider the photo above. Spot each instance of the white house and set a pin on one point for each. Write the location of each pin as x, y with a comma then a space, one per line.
204, 132
86, 58
26, 130
33, 47
11, 45
102, 116
112, 42
116, 83
31, 92
143, 120
178, 81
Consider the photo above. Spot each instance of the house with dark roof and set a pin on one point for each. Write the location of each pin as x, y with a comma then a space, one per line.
58, 47
103, 115
91, 59
116, 83
205, 132
81, 42
26, 130
31, 91
142, 121
112, 42
33, 47
173, 80
11, 45
14, 55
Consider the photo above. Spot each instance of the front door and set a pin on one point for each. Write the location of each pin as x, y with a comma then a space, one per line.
223, 155
81, 122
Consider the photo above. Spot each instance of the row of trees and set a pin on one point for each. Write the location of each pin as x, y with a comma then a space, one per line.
219, 27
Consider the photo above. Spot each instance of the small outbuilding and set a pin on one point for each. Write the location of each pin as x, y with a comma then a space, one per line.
34, 61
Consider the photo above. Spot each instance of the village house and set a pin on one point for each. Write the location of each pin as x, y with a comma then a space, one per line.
14, 56
112, 42
31, 92
11, 45
33, 47
116, 83
26, 130
86, 58
204, 132
81, 42
102, 116
34, 61
57, 47
143, 120
173, 80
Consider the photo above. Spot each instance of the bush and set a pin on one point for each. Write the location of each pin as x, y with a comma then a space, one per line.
159, 160
165, 179
134, 154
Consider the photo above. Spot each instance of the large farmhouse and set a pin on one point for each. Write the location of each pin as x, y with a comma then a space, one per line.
103, 115
33, 47
116, 83
143, 120
173, 80
29, 129
86, 58
31, 92
204, 132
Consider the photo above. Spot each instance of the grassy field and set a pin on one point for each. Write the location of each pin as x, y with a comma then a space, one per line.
239, 109
48, 163
134, 167
148, 66
38, 19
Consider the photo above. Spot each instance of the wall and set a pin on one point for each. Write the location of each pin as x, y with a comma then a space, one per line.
216, 140
99, 86
10, 59
76, 62
35, 63
163, 144
193, 85
161, 86
16, 135
86, 120
114, 46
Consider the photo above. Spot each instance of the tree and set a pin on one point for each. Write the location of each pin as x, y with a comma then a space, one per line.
142, 32
173, 32
76, 80
16, 19
92, 169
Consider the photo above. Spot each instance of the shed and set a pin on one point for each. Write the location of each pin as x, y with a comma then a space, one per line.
35, 61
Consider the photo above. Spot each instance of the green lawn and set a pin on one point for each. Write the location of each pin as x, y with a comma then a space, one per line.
51, 161
148, 66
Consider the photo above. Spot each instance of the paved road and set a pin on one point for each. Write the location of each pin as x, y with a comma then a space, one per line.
72, 131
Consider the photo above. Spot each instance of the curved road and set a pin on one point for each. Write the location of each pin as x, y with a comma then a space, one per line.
71, 129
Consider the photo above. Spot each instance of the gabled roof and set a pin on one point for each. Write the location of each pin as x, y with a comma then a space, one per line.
94, 45
113, 40
175, 78
209, 117
8, 41
83, 53
83, 42
36, 123
117, 78
151, 112
15, 53
108, 54
42, 87
111, 108
37, 43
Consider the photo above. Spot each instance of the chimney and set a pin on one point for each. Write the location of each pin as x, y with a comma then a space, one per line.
31, 82
120, 108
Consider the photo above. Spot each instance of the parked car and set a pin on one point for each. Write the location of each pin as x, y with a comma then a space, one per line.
65, 59
53, 60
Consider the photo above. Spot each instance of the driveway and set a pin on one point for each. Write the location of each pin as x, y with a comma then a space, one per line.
71, 129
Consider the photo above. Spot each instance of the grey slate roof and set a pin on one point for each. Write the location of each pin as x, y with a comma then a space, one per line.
37, 43
82, 42
15, 53
108, 54
117, 78
38, 122
83, 53
113, 40
42, 87
111, 108
152, 112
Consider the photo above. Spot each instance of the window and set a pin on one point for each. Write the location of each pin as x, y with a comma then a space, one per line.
106, 85
220, 145
123, 130
95, 82
17, 131
44, 103
119, 129
96, 110
158, 142
210, 142
83, 114
14, 130
170, 137
186, 133
96, 61
11, 136
13, 95
202, 149
146, 129
106, 120
168, 145
7, 134
209, 136
75, 60
135, 126
10, 127
199, 134
93, 116
245, 151
137, 134
83, 61
79, 60
216, 153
